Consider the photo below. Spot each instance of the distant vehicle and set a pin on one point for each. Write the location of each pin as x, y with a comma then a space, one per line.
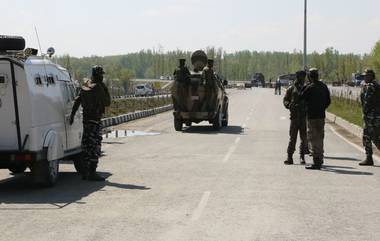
143, 90
258, 80
356, 79
36, 98
286, 79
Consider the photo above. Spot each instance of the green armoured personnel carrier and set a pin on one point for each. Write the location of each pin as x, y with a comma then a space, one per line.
199, 94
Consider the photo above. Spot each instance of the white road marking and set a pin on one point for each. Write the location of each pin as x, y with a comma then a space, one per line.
229, 153
201, 206
231, 150
357, 147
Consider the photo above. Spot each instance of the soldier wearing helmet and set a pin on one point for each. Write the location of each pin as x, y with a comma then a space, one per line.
93, 98
370, 99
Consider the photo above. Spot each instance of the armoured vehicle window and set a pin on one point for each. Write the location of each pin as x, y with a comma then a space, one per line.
38, 80
50, 79
2, 79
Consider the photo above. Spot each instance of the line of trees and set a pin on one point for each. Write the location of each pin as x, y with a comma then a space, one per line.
240, 65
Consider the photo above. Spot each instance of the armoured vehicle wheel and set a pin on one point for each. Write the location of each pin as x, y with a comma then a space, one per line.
217, 124
46, 172
178, 124
225, 118
11, 43
20, 168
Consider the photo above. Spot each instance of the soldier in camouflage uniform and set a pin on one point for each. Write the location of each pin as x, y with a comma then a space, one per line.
93, 97
370, 99
210, 82
297, 118
181, 85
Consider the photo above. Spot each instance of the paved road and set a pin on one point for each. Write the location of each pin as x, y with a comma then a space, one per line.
199, 185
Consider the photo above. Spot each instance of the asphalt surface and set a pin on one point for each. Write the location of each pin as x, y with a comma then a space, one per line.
200, 185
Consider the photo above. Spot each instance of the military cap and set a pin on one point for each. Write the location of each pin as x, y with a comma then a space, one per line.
301, 73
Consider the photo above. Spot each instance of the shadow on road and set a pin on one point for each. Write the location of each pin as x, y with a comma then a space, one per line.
344, 171
18, 191
342, 158
236, 130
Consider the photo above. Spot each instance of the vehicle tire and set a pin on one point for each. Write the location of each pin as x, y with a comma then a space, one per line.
11, 43
18, 168
178, 124
45, 173
225, 118
217, 123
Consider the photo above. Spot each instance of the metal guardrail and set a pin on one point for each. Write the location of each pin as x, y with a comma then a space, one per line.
124, 97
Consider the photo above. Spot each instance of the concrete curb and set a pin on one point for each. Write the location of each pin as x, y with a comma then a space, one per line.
353, 129
117, 120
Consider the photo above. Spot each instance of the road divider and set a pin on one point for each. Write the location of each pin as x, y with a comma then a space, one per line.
351, 128
117, 120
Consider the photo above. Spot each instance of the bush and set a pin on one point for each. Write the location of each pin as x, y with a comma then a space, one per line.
123, 106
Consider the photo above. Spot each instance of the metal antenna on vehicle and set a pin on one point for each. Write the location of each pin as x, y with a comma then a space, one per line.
42, 55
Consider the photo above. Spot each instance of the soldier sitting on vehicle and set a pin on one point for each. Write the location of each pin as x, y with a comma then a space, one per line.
210, 82
181, 85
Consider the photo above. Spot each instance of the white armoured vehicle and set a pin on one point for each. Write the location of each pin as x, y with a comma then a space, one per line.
36, 97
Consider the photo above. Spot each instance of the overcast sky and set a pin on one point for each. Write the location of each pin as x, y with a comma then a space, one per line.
110, 27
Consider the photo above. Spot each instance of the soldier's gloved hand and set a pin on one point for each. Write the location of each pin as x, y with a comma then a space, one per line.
71, 120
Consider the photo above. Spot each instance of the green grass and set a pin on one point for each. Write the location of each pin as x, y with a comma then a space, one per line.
347, 109
123, 106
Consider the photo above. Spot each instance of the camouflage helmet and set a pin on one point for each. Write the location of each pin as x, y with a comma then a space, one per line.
97, 70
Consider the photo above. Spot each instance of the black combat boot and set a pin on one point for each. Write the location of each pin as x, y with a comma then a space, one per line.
302, 159
289, 160
367, 162
317, 164
93, 175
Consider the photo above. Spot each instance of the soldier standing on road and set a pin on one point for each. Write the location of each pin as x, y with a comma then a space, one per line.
277, 87
370, 99
297, 109
317, 99
93, 97
182, 80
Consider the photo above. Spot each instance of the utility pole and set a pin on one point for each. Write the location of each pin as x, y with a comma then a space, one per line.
305, 38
